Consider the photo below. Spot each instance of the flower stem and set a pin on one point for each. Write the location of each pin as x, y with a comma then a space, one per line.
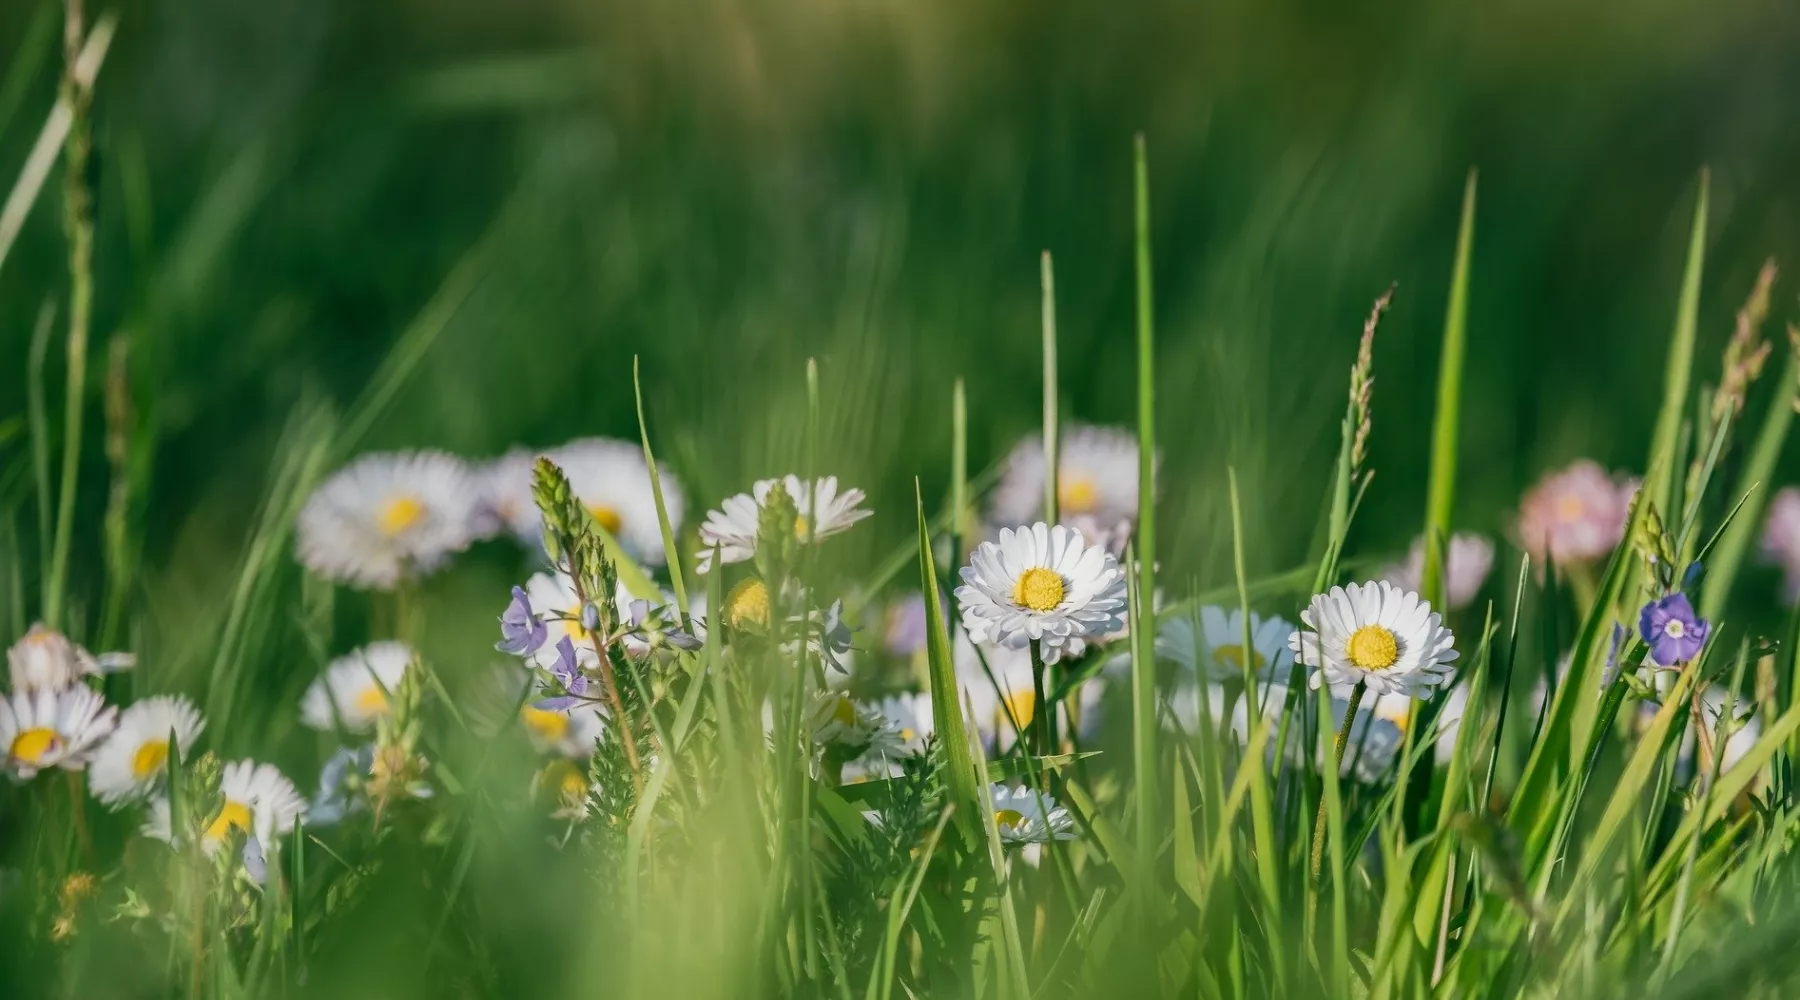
1041, 710
1337, 762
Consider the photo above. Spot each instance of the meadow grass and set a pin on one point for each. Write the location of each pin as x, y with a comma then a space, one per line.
760, 808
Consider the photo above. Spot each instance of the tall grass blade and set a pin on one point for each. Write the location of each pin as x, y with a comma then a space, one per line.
1143, 657
1661, 467
671, 551
1728, 555
1052, 443
1440, 492
946, 702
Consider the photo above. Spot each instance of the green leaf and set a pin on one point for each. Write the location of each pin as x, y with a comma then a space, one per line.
1143, 659
671, 551
1728, 555
1659, 485
946, 701
1441, 492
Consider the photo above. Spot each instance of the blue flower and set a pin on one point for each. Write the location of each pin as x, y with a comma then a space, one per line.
569, 678
1674, 633
521, 631
337, 796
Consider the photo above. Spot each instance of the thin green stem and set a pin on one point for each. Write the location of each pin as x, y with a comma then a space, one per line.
1337, 761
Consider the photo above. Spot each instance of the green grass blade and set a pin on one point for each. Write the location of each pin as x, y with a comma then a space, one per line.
1143, 659
1052, 443
1440, 494
1660, 484
671, 551
946, 702
959, 473
1728, 555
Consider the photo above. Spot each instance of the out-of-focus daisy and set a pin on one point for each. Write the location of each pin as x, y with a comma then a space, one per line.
507, 504
1467, 562
1097, 480
1377, 634
732, 528
1028, 816
1218, 644
1575, 515
1041, 584
355, 688
388, 516
1374, 741
838, 720
43, 729
909, 715
1780, 544
563, 783
568, 732
260, 803
132, 762
1401, 709
45, 660
610, 479
1008, 697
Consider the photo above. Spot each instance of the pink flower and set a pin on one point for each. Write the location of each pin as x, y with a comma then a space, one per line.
1467, 562
1781, 539
1576, 515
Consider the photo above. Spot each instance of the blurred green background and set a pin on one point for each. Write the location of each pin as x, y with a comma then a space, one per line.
727, 188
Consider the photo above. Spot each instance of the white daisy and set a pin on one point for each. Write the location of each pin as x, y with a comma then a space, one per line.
610, 479
1467, 563
1378, 634
259, 802
1009, 697
133, 760
388, 516
569, 732
1400, 709
507, 502
562, 783
839, 720
1041, 584
43, 729
1218, 644
1028, 816
1374, 741
1097, 480
732, 528
355, 689
45, 660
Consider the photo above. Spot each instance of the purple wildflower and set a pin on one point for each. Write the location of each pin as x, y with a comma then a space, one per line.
521, 632
1672, 630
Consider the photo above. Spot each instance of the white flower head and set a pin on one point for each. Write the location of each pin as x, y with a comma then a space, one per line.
1402, 710
568, 732
1374, 741
507, 502
732, 528
1467, 561
1028, 816
839, 720
133, 761
1096, 479
389, 516
1041, 584
610, 479
1001, 697
1218, 644
43, 729
45, 660
260, 803
356, 688
1378, 634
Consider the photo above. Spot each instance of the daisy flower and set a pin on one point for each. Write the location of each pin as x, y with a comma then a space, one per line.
1401, 709
388, 516
1374, 741
1467, 562
45, 660
610, 479
133, 760
732, 528
569, 732
1377, 634
1780, 545
1008, 697
1218, 644
43, 729
1028, 816
839, 720
260, 803
507, 503
1041, 584
564, 784
355, 688
1096, 480
1576, 515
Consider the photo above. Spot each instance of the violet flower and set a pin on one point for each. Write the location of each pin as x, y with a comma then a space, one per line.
521, 632
1674, 633
568, 676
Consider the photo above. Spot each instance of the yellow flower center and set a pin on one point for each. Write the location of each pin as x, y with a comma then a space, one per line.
1039, 589
565, 781
1373, 647
235, 814
1233, 656
1076, 494
33, 745
748, 604
550, 726
801, 527
908, 734
1570, 507
372, 701
149, 759
1021, 706
1008, 819
843, 711
400, 515
607, 517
